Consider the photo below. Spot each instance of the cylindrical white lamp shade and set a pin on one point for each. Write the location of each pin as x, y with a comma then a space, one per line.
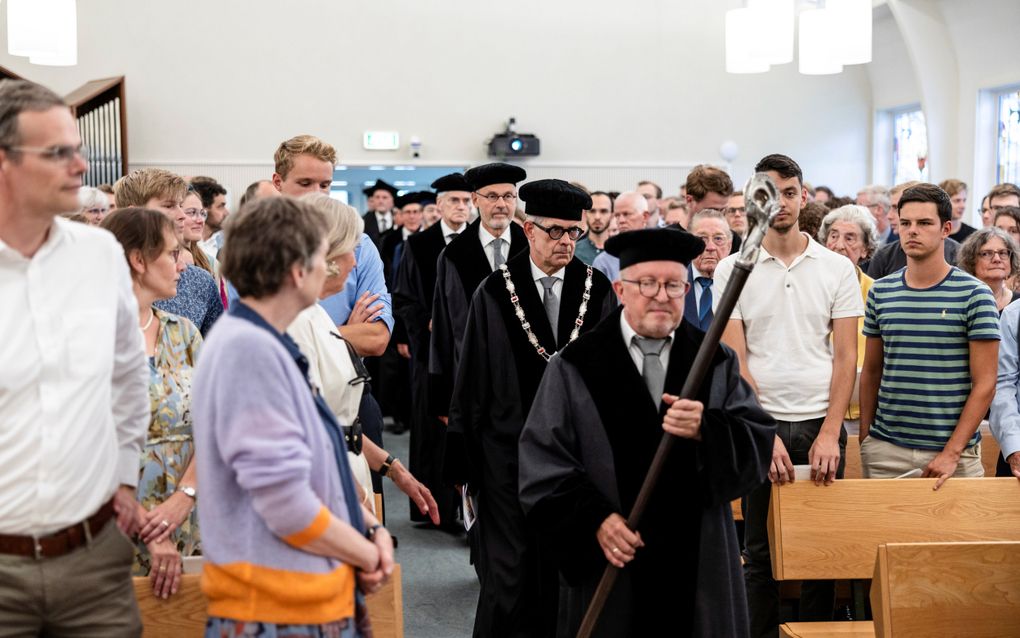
44, 30
773, 40
740, 36
854, 20
818, 33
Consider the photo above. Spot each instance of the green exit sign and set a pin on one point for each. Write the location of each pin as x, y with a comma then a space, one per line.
381, 140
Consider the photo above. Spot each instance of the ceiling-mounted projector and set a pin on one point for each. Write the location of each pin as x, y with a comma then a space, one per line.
509, 143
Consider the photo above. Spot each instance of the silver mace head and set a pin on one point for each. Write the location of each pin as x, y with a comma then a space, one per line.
761, 203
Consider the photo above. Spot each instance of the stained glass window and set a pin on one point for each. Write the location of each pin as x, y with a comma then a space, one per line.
1008, 156
910, 146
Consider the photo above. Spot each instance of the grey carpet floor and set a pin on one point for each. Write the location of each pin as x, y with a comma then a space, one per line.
439, 585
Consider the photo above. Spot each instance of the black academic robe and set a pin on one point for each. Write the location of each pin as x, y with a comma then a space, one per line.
497, 376
414, 284
372, 227
460, 269
587, 445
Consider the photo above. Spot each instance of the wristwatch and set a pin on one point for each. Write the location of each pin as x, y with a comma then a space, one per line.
386, 465
187, 490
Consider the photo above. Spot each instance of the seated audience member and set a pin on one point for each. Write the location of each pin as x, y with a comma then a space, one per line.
957, 192
594, 241
167, 483
934, 427
191, 233
811, 218
335, 368
94, 205
273, 451
850, 231
823, 194
710, 226
198, 298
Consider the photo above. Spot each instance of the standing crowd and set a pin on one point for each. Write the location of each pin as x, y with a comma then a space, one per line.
185, 384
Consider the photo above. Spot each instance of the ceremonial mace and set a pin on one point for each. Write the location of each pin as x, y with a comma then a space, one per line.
761, 202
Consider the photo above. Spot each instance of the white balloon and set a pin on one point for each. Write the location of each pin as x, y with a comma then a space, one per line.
728, 150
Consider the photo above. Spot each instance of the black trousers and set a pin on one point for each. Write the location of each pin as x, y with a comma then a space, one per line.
817, 598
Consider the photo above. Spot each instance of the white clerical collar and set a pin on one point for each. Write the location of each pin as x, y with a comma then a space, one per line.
536, 272
447, 231
487, 238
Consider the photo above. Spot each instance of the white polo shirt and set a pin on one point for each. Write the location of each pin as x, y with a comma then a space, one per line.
787, 314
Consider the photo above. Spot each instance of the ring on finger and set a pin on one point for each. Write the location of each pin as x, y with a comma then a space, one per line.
616, 550
162, 567
165, 523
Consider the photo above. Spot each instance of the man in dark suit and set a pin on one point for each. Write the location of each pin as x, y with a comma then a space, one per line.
710, 225
379, 217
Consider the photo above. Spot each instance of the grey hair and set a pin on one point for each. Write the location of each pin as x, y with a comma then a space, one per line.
640, 203
710, 213
17, 96
89, 197
878, 195
856, 214
968, 255
535, 219
344, 222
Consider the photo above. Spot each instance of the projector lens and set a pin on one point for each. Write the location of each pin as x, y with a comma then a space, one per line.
516, 145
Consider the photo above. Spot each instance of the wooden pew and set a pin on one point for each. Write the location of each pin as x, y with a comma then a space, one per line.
833, 532
183, 615
947, 589
827, 630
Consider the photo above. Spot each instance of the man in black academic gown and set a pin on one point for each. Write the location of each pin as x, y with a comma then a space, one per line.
597, 420
379, 216
489, 241
412, 302
536, 304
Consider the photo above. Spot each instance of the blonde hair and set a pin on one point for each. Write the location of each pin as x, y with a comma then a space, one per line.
302, 145
138, 187
344, 222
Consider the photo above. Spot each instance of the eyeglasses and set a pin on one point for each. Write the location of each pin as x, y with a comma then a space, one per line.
361, 374
556, 232
197, 213
987, 255
492, 198
735, 210
58, 154
650, 287
718, 240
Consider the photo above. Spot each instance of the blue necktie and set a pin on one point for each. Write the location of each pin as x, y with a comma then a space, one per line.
705, 307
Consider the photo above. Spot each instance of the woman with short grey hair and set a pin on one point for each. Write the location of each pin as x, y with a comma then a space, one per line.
867, 233
990, 254
94, 204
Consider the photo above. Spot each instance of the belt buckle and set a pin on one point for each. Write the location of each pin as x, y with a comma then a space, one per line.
37, 547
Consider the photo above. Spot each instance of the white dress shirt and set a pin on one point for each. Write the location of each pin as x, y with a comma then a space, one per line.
384, 220
487, 238
447, 231
635, 353
74, 381
538, 275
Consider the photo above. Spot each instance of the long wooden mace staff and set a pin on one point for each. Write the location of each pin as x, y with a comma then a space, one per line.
761, 202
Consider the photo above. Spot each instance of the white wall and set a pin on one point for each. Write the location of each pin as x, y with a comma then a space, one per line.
598, 80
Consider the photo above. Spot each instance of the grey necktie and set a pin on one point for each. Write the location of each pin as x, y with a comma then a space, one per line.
651, 369
551, 303
451, 237
497, 253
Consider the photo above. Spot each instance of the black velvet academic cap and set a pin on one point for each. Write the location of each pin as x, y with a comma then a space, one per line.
495, 173
655, 244
555, 198
451, 182
380, 186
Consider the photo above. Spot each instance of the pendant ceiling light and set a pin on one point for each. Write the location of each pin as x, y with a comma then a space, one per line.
45, 31
830, 34
741, 33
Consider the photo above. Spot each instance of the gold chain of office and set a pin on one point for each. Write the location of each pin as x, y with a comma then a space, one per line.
532, 339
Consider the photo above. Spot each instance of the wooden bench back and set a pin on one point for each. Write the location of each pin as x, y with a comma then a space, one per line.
833, 532
947, 589
183, 615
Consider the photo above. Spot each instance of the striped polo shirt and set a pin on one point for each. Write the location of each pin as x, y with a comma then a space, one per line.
926, 354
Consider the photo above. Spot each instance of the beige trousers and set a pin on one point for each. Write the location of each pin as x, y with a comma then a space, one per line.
881, 459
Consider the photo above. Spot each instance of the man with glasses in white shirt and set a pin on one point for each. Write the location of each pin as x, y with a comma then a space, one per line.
74, 403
